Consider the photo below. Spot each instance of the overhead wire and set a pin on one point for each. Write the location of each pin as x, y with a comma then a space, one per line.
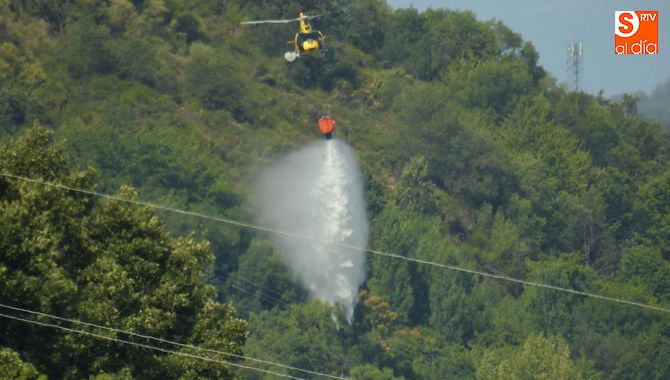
74, 321
252, 288
263, 297
147, 346
341, 245
267, 288
165, 341
265, 293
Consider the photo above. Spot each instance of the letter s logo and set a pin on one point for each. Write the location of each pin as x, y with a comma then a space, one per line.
626, 23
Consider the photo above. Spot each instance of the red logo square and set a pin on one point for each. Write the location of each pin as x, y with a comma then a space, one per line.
636, 32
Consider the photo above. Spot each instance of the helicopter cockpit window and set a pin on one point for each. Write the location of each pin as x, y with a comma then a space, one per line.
308, 36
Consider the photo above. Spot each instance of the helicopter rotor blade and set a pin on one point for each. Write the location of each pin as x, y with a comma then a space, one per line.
284, 21
280, 21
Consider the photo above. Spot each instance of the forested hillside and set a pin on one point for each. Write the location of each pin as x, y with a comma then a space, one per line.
473, 157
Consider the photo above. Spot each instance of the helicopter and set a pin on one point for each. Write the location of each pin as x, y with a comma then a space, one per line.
306, 40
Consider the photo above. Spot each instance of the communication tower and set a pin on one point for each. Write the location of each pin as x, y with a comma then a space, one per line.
574, 63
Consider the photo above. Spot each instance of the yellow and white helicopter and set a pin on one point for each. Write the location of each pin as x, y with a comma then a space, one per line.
306, 41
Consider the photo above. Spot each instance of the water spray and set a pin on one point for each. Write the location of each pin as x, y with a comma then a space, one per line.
317, 191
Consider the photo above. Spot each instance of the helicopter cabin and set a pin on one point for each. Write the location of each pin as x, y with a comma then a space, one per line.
308, 42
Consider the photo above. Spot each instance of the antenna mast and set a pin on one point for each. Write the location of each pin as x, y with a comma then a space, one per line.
574, 63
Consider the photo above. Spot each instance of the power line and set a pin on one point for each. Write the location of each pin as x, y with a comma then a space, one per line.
161, 340
267, 288
341, 245
263, 297
146, 346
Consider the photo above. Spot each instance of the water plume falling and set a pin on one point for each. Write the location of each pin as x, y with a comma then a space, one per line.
317, 191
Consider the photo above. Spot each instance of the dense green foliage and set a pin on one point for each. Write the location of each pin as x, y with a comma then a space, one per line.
107, 264
473, 156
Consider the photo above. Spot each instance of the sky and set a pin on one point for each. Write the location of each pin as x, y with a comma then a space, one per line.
551, 24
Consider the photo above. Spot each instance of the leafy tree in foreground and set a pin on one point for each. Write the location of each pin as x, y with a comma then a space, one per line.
111, 264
